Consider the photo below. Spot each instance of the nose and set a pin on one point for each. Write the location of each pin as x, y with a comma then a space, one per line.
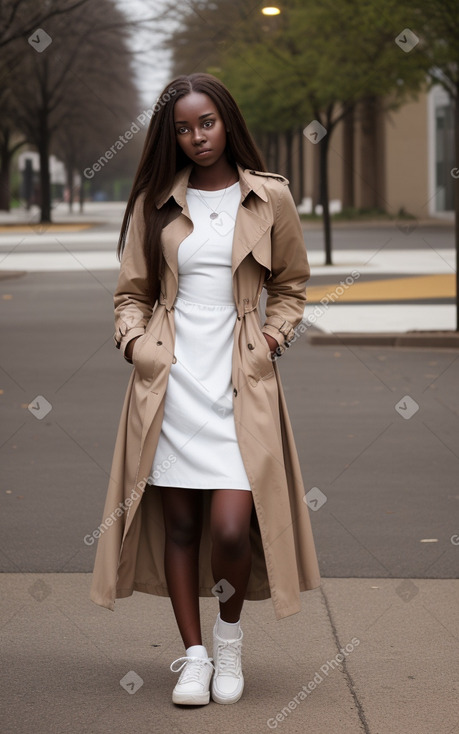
198, 136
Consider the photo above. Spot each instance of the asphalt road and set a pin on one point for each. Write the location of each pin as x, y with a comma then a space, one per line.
390, 480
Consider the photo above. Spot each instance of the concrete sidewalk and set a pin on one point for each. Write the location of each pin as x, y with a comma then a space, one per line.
94, 212
63, 659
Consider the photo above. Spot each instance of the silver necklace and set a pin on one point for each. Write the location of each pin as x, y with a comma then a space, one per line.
214, 214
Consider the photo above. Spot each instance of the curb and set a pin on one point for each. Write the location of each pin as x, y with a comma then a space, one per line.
7, 274
317, 224
431, 339
12, 227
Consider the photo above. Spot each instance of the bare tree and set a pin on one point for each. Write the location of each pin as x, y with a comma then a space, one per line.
20, 18
60, 54
83, 62
10, 140
94, 124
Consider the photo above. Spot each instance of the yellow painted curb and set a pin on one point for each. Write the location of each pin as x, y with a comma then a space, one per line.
38, 228
393, 289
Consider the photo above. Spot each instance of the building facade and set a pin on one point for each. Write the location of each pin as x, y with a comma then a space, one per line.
398, 161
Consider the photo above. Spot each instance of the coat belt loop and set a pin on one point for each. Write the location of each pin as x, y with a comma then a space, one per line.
248, 306
163, 302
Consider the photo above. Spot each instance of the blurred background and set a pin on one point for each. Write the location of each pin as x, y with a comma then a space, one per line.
379, 79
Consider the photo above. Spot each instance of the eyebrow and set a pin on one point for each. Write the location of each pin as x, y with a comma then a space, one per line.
206, 114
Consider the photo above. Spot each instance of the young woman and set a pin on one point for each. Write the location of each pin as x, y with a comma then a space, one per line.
206, 495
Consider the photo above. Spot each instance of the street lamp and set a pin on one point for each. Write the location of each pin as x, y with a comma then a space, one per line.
270, 10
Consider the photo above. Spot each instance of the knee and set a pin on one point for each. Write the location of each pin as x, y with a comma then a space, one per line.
231, 540
184, 532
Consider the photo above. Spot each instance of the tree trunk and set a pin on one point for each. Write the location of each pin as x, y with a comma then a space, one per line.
276, 153
369, 182
315, 161
269, 151
288, 155
301, 164
348, 160
456, 196
81, 198
324, 197
45, 178
69, 168
5, 193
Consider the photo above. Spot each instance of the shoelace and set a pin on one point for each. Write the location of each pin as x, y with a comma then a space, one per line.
229, 657
192, 672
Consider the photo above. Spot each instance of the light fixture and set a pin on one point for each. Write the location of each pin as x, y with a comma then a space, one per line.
270, 10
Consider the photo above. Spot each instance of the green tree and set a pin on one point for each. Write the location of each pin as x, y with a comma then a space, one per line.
317, 63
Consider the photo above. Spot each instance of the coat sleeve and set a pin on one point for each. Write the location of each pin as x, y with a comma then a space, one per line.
290, 270
132, 304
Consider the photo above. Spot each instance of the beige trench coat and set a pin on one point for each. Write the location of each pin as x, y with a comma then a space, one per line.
268, 250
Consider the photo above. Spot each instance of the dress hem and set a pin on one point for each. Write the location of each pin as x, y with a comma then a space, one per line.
187, 486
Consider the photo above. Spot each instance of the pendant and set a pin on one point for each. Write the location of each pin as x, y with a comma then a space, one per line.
214, 215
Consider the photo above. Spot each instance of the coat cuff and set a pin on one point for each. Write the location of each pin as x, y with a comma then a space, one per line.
121, 341
280, 329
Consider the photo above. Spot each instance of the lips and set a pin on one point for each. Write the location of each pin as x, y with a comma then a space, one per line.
202, 152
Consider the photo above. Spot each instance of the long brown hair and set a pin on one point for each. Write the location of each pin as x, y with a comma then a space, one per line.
162, 158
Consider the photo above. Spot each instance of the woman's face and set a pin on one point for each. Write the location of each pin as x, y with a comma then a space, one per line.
199, 128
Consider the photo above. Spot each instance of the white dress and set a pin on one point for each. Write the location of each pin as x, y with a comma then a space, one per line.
197, 446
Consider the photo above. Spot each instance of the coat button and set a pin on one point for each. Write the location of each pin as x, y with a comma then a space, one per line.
234, 392
159, 343
250, 346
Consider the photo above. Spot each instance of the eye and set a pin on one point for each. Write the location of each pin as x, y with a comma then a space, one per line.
181, 130
208, 123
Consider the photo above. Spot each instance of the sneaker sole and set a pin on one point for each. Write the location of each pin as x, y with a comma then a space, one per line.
221, 699
187, 699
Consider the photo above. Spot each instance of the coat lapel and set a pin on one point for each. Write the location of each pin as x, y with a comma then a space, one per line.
181, 226
173, 235
250, 227
248, 232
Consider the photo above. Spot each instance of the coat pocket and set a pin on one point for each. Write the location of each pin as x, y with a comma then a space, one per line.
259, 353
143, 355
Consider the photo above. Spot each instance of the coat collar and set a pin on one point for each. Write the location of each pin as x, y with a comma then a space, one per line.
249, 229
248, 180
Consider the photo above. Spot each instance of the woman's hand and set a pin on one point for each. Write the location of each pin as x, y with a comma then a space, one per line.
129, 348
272, 343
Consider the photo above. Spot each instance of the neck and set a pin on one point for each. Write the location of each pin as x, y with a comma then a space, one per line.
219, 176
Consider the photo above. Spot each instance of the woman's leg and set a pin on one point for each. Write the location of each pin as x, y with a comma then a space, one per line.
231, 511
182, 509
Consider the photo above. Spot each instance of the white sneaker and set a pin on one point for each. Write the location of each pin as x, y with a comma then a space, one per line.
192, 688
228, 681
